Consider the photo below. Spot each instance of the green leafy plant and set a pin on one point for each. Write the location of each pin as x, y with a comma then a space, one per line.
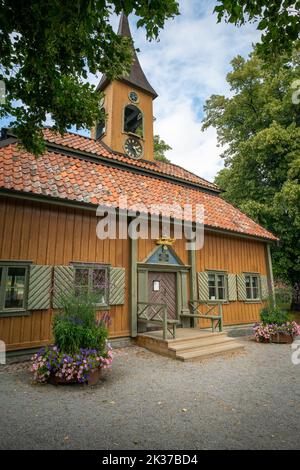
48, 49
76, 327
273, 315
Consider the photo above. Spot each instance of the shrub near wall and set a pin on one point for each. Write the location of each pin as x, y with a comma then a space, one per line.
81, 348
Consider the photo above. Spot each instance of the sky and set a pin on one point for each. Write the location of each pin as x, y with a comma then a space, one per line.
187, 66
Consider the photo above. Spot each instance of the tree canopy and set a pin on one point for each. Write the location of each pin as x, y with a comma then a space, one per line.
259, 127
277, 19
160, 149
49, 47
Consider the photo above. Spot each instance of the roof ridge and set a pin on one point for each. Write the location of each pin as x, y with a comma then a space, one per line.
188, 171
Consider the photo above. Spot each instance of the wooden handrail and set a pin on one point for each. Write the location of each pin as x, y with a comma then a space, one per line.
159, 316
196, 313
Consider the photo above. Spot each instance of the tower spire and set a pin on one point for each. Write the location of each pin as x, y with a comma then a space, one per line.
136, 76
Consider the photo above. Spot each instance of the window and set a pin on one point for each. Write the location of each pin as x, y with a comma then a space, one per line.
101, 127
252, 287
92, 278
133, 120
13, 289
216, 286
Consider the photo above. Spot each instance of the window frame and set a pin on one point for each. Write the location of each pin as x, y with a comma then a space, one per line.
252, 299
142, 137
90, 267
14, 311
225, 287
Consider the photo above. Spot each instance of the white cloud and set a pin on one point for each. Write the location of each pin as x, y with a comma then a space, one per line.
188, 65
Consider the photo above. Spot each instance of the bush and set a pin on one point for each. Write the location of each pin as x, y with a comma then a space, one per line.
75, 326
273, 315
284, 295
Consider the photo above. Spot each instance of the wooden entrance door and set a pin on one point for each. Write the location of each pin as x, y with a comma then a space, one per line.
162, 290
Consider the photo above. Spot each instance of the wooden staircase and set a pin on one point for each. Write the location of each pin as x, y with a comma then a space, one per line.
190, 344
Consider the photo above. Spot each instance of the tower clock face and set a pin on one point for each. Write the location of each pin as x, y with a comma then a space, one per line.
134, 97
133, 148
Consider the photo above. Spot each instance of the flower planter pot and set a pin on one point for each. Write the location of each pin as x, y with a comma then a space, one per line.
92, 379
282, 338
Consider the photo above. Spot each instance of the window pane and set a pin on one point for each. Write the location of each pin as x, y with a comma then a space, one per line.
248, 293
221, 280
133, 120
255, 293
254, 281
248, 281
82, 277
211, 280
221, 293
212, 293
14, 288
99, 283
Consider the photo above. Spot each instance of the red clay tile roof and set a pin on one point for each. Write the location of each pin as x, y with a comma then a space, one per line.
74, 179
86, 144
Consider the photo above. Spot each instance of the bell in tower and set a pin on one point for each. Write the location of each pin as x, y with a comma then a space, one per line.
128, 105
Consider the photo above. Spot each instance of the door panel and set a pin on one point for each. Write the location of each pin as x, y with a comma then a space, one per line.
162, 290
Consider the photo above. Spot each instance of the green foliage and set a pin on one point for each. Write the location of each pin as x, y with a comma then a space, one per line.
273, 316
283, 295
160, 148
259, 127
278, 19
75, 327
48, 49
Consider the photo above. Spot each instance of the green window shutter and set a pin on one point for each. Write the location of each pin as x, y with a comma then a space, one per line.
232, 288
203, 286
64, 282
241, 285
117, 286
264, 287
39, 289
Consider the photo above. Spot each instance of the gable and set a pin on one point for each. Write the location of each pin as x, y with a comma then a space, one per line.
164, 254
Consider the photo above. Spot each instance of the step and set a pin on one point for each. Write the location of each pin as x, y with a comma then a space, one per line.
210, 351
194, 337
201, 343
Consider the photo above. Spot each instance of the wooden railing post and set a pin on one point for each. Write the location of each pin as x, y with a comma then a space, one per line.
220, 313
165, 326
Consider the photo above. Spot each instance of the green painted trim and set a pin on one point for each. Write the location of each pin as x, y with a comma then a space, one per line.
5, 312
15, 313
186, 323
133, 286
172, 251
270, 274
178, 296
142, 294
163, 267
216, 272
258, 300
193, 279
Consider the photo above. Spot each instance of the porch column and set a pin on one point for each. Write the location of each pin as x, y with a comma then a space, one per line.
193, 286
270, 273
133, 286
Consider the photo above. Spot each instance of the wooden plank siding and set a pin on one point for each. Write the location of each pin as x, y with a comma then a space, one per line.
54, 235
234, 255
57, 235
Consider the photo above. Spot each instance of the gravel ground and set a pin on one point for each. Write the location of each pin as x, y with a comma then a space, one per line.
245, 401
